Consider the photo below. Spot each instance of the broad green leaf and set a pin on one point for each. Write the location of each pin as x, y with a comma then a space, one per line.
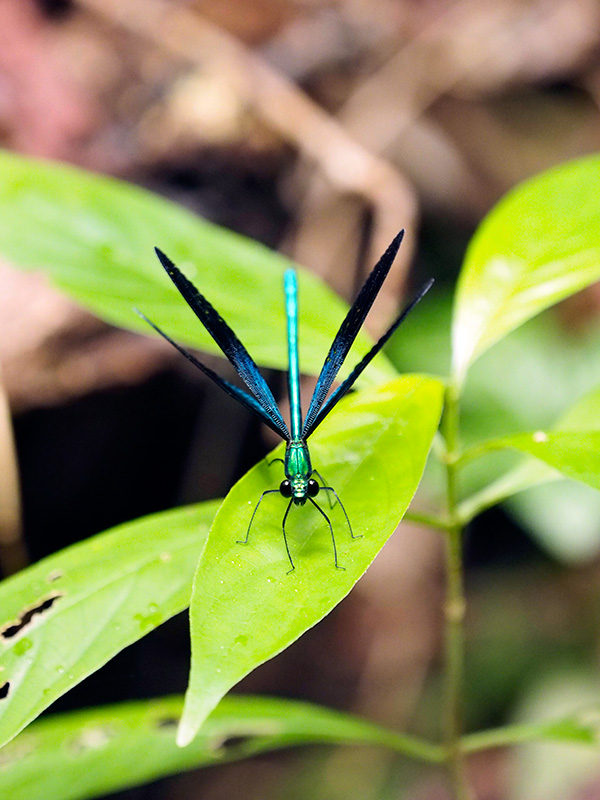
245, 607
66, 616
90, 753
538, 245
94, 237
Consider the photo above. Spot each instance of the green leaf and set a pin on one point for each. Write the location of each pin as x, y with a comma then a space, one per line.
582, 727
583, 417
245, 607
94, 237
561, 515
90, 753
538, 245
576, 454
67, 615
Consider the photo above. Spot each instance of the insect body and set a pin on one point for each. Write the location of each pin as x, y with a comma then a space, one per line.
299, 485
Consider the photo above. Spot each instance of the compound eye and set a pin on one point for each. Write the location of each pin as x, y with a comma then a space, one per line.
285, 487
313, 488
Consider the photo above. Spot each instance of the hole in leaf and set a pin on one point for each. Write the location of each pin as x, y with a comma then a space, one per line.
92, 739
17, 750
231, 742
4, 689
167, 722
25, 618
235, 741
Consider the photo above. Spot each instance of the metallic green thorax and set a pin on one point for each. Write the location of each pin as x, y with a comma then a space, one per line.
298, 469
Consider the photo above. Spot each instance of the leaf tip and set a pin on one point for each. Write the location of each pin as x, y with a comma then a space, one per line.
185, 733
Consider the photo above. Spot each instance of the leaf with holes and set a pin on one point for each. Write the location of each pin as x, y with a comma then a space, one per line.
67, 615
93, 752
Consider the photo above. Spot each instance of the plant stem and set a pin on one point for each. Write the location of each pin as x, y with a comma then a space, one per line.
454, 607
430, 520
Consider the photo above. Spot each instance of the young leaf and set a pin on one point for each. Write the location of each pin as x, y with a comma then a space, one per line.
66, 616
538, 245
95, 236
102, 750
581, 727
563, 516
574, 453
583, 416
245, 607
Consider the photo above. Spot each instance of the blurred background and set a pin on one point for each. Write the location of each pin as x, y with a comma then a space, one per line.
319, 127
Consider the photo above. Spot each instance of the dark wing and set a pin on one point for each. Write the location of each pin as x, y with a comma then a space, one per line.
229, 344
238, 394
348, 332
361, 366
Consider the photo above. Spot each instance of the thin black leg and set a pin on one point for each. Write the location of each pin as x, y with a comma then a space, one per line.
275, 460
331, 489
287, 548
322, 479
320, 510
260, 499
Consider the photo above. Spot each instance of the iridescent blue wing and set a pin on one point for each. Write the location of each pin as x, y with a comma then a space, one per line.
347, 334
361, 366
233, 391
264, 405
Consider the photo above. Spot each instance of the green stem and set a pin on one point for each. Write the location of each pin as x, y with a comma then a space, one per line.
431, 520
454, 607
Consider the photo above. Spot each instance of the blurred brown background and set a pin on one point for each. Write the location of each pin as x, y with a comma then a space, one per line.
319, 127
